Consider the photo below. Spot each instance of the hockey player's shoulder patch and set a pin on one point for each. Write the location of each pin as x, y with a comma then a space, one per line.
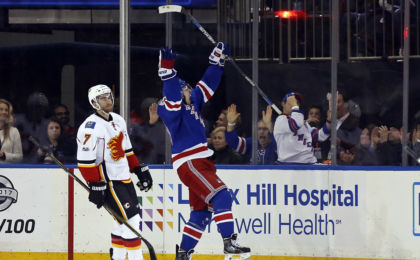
90, 124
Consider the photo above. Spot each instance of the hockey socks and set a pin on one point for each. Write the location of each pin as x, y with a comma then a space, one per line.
118, 251
222, 205
125, 242
190, 237
194, 229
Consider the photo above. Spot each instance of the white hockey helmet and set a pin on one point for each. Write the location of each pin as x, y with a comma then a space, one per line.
96, 91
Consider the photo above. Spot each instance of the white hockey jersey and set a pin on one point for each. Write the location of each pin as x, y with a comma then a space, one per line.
104, 150
294, 137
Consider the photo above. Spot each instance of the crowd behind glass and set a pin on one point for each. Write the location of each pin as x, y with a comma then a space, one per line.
358, 143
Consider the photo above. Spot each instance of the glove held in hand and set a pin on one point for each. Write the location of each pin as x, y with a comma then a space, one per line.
219, 53
145, 179
166, 63
97, 193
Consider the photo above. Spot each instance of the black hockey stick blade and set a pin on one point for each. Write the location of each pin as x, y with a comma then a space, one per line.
110, 210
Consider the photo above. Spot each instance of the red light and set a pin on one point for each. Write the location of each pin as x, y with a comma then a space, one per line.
289, 14
406, 33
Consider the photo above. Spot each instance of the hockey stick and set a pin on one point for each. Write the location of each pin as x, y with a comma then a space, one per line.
110, 211
412, 153
179, 9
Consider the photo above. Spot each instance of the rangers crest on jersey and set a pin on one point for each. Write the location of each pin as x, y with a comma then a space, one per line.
115, 145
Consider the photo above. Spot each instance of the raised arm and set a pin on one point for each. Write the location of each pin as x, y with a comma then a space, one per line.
171, 103
232, 116
167, 73
266, 118
208, 84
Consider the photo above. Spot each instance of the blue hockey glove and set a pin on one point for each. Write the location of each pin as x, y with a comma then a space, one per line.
219, 53
97, 193
166, 63
145, 179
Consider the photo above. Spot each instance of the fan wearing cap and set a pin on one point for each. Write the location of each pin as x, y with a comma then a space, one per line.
294, 136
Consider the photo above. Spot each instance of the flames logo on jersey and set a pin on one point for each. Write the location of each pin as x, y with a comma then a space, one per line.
115, 145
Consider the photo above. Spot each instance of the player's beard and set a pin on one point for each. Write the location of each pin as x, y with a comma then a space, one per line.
108, 108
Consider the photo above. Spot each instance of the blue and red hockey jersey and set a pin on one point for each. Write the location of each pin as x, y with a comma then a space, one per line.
184, 121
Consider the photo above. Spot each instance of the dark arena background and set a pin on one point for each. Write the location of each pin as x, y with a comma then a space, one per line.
360, 200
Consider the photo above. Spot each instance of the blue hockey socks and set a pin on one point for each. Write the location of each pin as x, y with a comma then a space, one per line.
222, 205
195, 228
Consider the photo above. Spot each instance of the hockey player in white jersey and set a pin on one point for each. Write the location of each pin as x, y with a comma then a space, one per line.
106, 160
294, 136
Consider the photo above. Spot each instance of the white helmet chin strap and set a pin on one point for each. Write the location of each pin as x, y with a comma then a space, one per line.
100, 108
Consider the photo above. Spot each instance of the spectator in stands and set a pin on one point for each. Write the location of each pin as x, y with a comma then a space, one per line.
389, 148
415, 139
223, 154
62, 114
365, 152
348, 131
148, 138
63, 147
267, 147
33, 123
314, 119
222, 119
10, 143
294, 136
136, 113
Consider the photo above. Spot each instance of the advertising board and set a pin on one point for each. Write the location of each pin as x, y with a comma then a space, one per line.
278, 212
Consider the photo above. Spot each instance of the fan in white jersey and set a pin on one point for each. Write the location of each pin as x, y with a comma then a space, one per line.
294, 136
105, 158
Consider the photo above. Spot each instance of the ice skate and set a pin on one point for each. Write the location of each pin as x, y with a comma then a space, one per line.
233, 250
183, 255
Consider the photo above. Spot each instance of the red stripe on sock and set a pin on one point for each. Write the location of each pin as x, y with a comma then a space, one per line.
222, 217
192, 232
132, 243
117, 241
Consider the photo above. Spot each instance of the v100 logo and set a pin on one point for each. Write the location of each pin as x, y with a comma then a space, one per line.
416, 208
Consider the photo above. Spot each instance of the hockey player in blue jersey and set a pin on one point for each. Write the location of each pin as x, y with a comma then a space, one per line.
180, 110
